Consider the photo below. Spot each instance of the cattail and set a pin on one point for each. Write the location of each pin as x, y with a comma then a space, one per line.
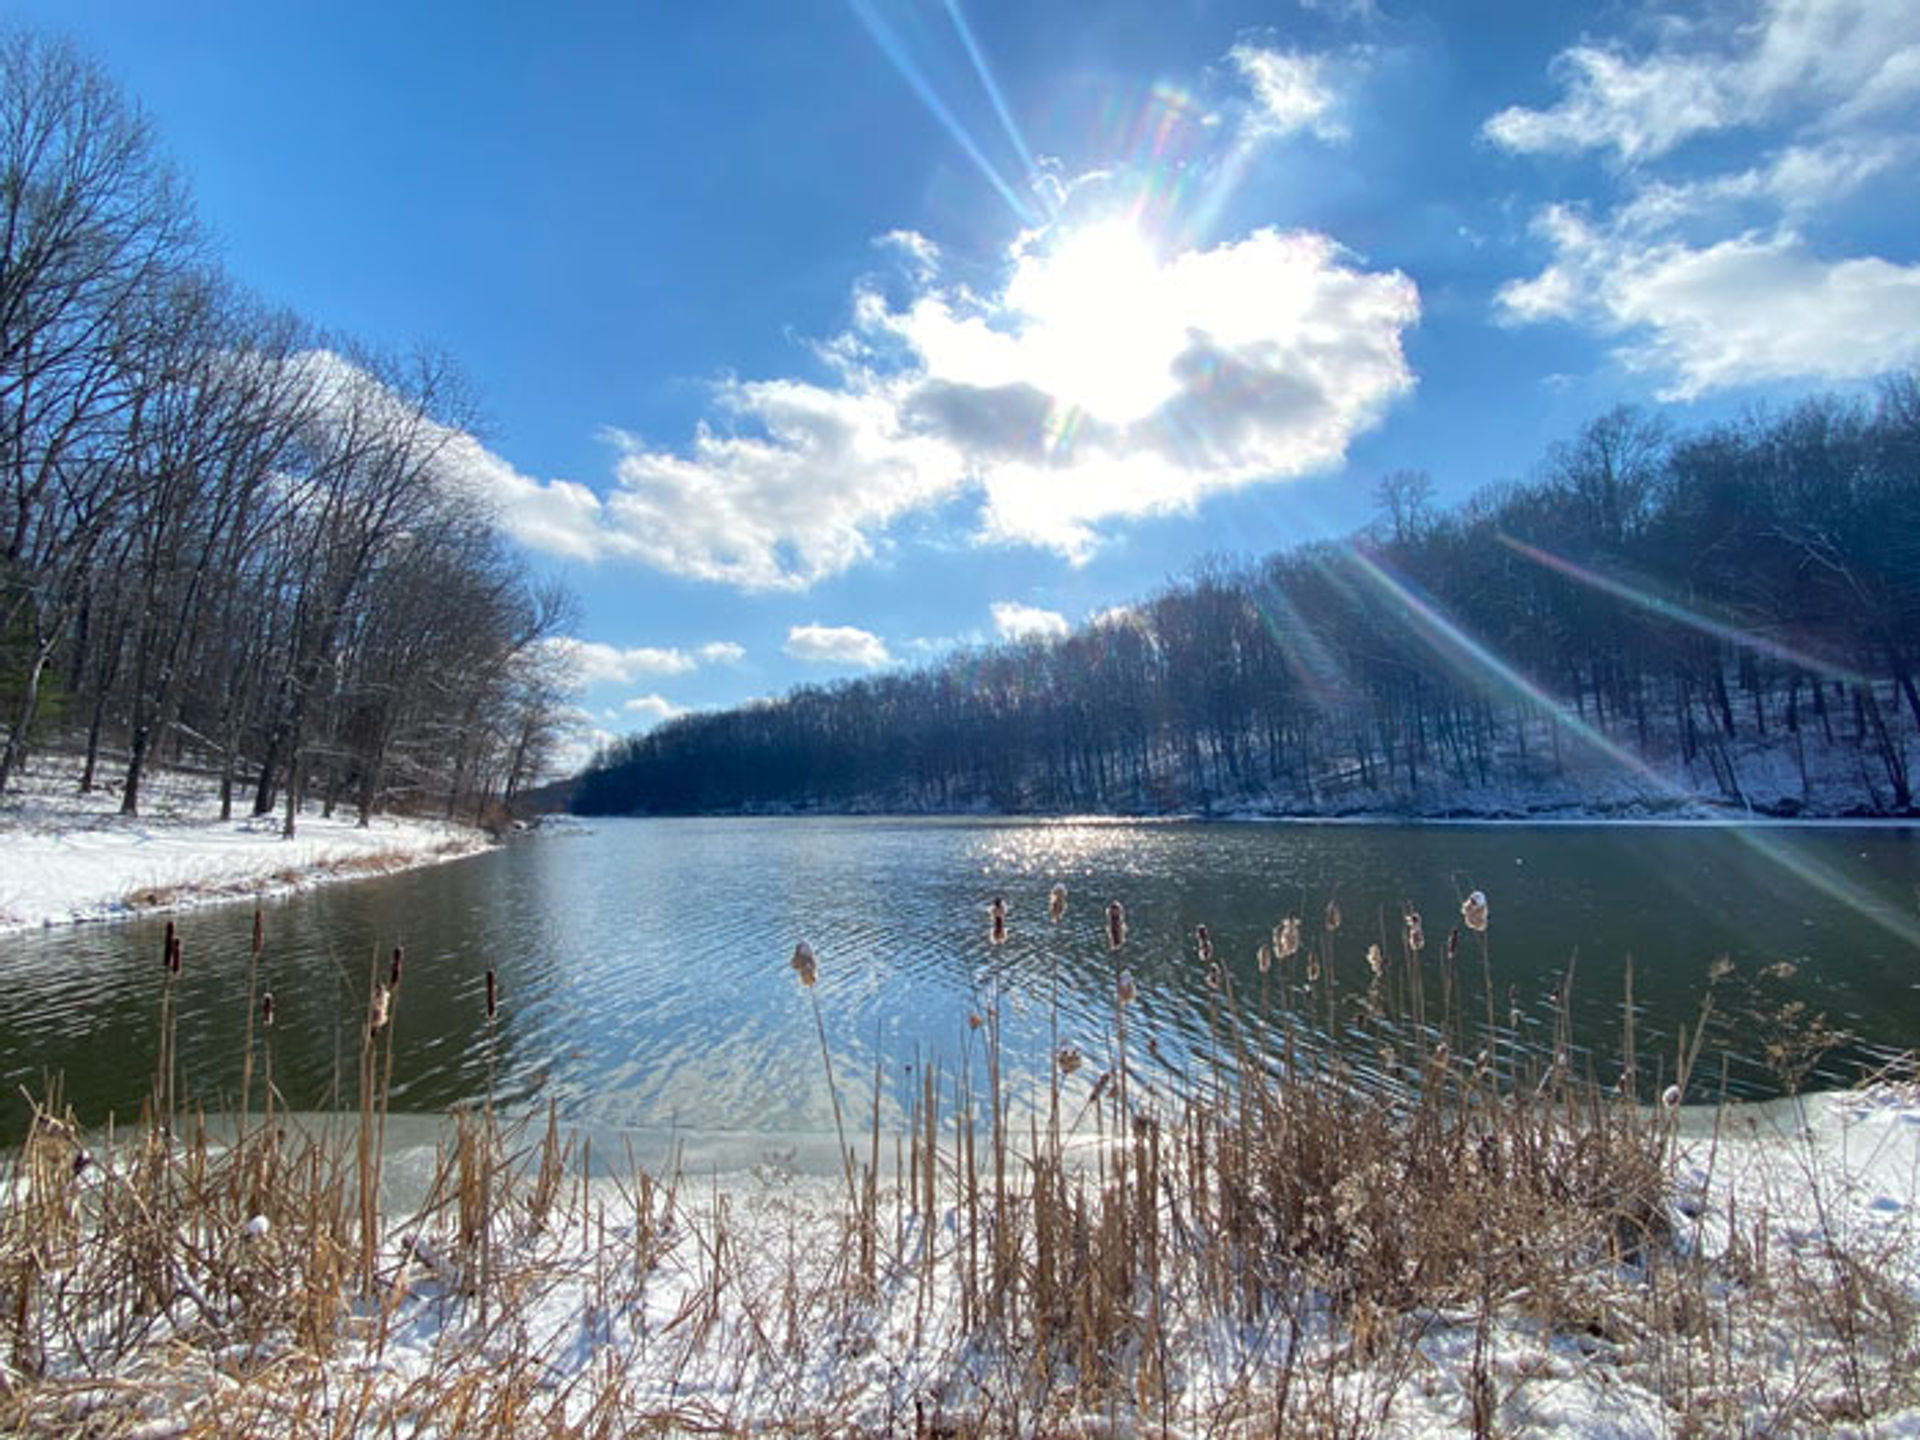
1203, 944
974, 1022
166, 948
1265, 957
803, 964
1670, 1097
379, 1010
1376, 962
1057, 903
1116, 924
1313, 967
1453, 942
1213, 977
1333, 915
1069, 1059
997, 921
259, 930
173, 957
393, 975
266, 1011
1473, 911
1416, 932
493, 995
1124, 989
1288, 945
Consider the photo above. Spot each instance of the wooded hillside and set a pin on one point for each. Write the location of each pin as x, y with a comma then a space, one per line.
1729, 615
226, 535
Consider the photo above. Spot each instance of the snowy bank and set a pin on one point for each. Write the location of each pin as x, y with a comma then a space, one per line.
1780, 1300
67, 856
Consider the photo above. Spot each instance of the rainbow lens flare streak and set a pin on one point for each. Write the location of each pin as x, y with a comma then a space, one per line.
1473, 660
1671, 610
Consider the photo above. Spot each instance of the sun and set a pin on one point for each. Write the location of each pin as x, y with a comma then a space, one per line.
1096, 328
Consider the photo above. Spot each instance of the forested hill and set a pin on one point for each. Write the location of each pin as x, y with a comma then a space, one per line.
1723, 617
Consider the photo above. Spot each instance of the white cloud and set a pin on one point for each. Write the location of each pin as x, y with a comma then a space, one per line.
921, 255
794, 495
837, 645
1049, 405
557, 516
593, 662
1739, 311
1103, 374
1795, 182
580, 739
1853, 58
652, 709
1292, 90
1718, 280
1014, 621
1254, 360
560, 517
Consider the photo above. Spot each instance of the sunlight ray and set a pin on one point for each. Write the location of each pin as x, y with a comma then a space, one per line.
991, 86
1469, 657
895, 50
1671, 610
1306, 656
1475, 661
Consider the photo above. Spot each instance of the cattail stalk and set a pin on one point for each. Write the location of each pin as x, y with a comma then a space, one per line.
253, 978
804, 965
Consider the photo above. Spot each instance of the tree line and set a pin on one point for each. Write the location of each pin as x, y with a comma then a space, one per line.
225, 536
1724, 607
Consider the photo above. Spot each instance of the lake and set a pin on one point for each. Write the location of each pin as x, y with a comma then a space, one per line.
644, 983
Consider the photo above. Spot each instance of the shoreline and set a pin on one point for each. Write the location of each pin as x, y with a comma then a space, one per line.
73, 859
1701, 819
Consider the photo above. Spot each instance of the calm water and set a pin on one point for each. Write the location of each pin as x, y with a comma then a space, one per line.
644, 981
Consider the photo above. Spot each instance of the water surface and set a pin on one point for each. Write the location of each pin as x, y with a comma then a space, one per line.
644, 983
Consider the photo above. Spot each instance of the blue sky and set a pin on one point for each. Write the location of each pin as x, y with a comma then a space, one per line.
811, 337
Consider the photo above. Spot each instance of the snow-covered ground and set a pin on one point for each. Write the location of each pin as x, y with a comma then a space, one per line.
1812, 1189
66, 856
1782, 1303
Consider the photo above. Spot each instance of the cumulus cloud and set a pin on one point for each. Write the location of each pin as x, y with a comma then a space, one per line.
1850, 58
593, 662
1014, 621
1054, 404
580, 740
794, 491
1738, 311
652, 709
1098, 374
837, 645
1720, 279
1292, 91
559, 517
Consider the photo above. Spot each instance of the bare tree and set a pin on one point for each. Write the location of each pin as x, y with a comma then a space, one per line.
92, 224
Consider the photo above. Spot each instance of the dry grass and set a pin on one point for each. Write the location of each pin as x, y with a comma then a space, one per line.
1259, 1240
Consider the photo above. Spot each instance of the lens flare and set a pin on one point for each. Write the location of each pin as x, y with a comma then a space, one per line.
891, 45
1679, 614
1475, 663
